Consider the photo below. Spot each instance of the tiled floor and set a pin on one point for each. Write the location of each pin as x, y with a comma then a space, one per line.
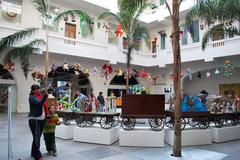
69, 150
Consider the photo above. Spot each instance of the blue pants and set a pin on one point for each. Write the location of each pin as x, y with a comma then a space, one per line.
36, 127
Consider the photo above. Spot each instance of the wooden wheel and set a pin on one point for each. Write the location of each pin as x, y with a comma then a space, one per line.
90, 120
234, 121
128, 123
183, 123
66, 120
169, 122
203, 123
115, 121
219, 122
106, 122
156, 124
192, 122
81, 121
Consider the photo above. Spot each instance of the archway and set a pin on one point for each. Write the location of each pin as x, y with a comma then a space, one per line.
117, 87
66, 82
6, 81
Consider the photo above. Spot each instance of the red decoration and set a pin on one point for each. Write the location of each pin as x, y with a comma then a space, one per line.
107, 69
154, 79
37, 75
119, 31
143, 74
9, 65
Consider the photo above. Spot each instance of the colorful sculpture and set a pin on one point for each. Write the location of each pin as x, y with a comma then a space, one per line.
192, 103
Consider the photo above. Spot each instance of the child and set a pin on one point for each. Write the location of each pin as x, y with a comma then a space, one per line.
49, 131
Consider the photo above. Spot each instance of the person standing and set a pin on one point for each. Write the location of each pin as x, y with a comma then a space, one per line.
49, 131
81, 97
101, 101
36, 118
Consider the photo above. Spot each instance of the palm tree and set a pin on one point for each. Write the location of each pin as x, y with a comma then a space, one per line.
11, 43
127, 17
223, 12
174, 13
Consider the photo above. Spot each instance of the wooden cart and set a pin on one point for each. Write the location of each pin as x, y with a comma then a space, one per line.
220, 118
200, 119
142, 107
106, 120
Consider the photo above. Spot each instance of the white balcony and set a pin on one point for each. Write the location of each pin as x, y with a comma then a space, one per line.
114, 54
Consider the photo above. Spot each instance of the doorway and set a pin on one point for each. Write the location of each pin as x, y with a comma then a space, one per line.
70, 32
6, 81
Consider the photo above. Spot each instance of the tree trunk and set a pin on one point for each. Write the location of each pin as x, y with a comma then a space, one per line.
177, 147
127, 71
46, 64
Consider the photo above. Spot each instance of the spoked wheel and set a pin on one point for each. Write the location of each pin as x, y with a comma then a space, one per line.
66, 120
106, 122
156, 124
90, 120
183, 123
203, 123
81, 121
234, 122
115, 121
219, 122
169, 122
128, 123
192, 122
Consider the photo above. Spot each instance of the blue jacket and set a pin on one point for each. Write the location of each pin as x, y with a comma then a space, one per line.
36, 106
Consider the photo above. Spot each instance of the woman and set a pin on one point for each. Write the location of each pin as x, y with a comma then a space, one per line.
36, 118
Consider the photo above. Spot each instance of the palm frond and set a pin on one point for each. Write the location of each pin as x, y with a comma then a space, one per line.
219, 29
11, 40
140, 33
204, 9
41, 7
76, 13
108, 15
22, 53
140, 11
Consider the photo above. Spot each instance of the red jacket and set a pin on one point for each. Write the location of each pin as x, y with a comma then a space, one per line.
45, 105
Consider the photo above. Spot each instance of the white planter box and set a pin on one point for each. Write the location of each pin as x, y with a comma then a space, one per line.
142, 137
190, 137
64, 132
225, 133
96, 134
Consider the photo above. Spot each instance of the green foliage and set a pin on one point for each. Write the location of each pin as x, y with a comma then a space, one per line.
216, 11
75, 13
41, 7
23, 53
13, 39
129, 13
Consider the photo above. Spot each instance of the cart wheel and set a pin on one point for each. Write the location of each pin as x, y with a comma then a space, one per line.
203, 123
183, 123
91, 120
169, 122
192, 122
128, 123
156, 124
234, 122
115, 121
81, 121
106, 122
219, 122
66, 120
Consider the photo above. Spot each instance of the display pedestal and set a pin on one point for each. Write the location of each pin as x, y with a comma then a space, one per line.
96, 134
190, 137
225, 133
142, 137
64, 132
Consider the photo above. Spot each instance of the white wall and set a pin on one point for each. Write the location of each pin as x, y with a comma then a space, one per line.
211, 85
